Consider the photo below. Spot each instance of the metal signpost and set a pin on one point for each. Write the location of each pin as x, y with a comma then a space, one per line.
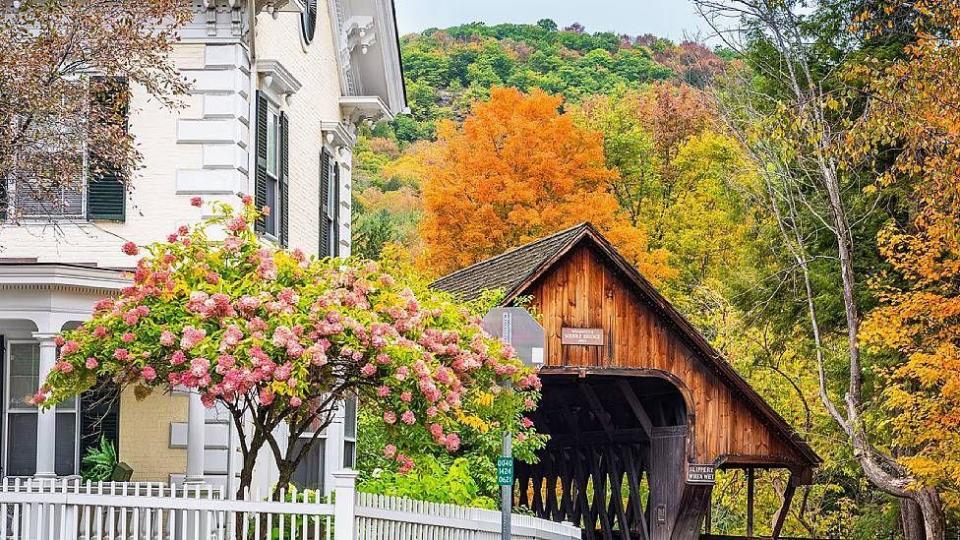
505, 481
518, 328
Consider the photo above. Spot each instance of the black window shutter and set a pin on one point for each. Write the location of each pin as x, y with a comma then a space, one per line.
324, 250
260, 178
3, 199
284, 180
100, 416
106, 190
336, 210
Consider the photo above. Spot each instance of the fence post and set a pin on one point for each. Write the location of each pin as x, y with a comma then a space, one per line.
344, 488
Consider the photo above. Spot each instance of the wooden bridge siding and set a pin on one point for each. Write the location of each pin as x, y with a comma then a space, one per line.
582, 292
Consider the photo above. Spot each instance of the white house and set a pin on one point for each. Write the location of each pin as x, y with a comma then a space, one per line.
279, 87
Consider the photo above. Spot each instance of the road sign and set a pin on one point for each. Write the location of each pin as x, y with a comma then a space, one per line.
504, 471
517, 327
704, 474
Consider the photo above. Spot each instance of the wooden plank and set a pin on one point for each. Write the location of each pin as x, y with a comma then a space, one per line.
781, 517
634, 402
597, 407
750, 493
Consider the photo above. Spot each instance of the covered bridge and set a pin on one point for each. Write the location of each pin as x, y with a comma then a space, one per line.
630, 390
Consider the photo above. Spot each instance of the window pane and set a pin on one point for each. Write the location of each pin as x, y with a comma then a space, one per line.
309, 473
349, 454
35, 199
272, 204
350, 417
66, 449
272, 131
24, 374
21, 444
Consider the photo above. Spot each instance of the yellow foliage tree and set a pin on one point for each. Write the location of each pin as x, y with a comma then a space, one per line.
518, 169
919, 106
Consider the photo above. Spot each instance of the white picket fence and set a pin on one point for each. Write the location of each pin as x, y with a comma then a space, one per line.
392, 518
73, 510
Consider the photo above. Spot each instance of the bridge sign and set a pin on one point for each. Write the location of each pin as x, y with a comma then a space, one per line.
703, 474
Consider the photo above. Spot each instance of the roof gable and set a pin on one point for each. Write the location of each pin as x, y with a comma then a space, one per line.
516, 270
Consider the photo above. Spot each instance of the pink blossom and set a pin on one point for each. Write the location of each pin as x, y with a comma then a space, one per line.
295, 402
58, 341
401, 373
172, 237
436, 430
266, 396
196, 201
178, 358
69, 347
128, 337
521, 437
453, 442
368, 370
431, 411
191, 337
148, 373
408, 418
406, 464
199, 367
247, 200
121, 355
92, 363
389, 451
130, 248
390, 417
383, 391
212, 278
526, 422
63, 367
167, 339
100, 331
406, 396
237, 224
529, 404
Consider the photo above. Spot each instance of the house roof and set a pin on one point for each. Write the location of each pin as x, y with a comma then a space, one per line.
515, 270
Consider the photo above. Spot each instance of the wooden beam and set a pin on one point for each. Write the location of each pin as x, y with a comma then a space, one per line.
598, 438
750, 489
785, 506
634, 402
597, 409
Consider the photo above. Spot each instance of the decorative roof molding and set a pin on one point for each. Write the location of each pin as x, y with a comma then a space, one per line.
276, 79
339, 134
355, 109
275, 7
357, 31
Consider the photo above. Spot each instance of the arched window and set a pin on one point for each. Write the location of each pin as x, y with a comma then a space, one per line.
308, 20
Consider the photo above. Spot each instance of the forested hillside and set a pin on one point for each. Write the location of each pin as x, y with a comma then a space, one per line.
448, 70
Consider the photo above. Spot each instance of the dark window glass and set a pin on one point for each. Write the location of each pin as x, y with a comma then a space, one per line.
309, 473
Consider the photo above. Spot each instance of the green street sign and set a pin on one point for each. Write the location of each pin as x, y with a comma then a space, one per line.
505, 471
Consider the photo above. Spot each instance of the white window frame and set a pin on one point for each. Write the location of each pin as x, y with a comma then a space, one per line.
320, 443
75, 410
348, 438
273, 176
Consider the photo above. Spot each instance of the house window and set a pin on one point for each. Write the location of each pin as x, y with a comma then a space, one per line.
273, 171
350, 432
38, 199
309, 473
22, 372
332, 193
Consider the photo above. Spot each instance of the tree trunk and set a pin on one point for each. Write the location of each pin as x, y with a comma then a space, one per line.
286, 469
911, 520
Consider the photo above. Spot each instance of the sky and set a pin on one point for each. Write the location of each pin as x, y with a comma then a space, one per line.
672, 19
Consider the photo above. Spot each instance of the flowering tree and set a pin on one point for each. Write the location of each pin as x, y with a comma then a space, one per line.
278, 337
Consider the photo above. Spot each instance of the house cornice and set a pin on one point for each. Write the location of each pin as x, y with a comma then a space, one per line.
62, 277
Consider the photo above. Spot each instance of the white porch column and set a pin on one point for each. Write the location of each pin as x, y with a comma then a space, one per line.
196, 439
46, 419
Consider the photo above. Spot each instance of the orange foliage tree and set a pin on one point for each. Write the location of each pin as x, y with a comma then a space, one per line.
919, 105
515, 170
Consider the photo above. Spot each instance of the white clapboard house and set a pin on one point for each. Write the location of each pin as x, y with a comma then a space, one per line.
279, 87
